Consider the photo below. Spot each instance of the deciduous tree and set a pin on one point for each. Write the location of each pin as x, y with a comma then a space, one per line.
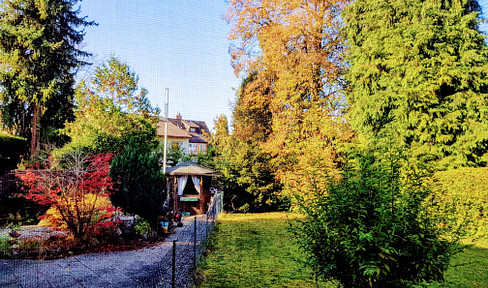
111, 109
78, 195
296, 51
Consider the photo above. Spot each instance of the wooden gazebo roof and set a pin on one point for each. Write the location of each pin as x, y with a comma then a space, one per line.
190, 168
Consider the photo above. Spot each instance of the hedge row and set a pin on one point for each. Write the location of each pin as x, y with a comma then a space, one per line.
463, 197
11, 148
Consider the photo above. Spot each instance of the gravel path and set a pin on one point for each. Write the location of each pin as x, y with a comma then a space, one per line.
114, 269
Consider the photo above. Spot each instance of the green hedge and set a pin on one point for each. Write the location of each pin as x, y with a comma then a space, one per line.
11, 147
463, 197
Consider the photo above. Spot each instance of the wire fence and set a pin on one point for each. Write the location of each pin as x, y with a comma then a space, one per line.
176, 268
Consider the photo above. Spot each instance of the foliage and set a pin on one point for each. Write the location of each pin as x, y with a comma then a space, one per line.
109, 112
83, 205
11, 150
39, 46
370, 228
247, 174
292, 90
253, 250
139, 184
116, 82
77, 194
462, 197
142, 227
418, 71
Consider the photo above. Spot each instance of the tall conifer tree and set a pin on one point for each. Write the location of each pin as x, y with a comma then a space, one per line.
38, 55
419, 75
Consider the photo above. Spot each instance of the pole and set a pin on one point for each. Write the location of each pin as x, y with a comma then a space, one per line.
173, 274
166, 103
195, 245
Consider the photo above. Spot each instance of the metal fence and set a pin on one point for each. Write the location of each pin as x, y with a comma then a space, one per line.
176, 268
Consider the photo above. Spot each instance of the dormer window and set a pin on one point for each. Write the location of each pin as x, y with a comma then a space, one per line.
193, 130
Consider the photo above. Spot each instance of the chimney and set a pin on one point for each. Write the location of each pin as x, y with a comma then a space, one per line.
178, 116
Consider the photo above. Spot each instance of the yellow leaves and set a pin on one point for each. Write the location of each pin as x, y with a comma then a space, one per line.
88, 205
297, 52
42, 6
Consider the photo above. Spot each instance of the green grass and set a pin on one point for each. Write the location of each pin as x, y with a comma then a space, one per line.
257, 250
469, 268
253, 250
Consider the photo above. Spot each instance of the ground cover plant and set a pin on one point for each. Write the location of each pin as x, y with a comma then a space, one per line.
253, 250
256, 250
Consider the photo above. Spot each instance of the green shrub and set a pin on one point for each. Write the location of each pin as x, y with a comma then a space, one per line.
4, 247
371, 229
11, 148
462, 196
142, 227
139, 184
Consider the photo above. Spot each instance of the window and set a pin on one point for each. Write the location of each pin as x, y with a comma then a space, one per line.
193, 148
203, 149
175, 146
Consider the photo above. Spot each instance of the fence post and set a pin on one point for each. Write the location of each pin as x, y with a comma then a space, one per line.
173, 274
195, 244
206, 228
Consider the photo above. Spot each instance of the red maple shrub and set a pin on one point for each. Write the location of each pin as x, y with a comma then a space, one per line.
78, 195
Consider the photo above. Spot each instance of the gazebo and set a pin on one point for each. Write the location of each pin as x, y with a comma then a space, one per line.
189, 187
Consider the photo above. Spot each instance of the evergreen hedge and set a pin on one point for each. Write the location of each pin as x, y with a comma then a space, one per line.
462, 196
11, 148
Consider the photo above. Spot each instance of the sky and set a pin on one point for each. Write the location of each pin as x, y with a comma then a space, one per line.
177, 44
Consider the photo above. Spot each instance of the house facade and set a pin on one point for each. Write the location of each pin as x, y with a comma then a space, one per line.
185, 134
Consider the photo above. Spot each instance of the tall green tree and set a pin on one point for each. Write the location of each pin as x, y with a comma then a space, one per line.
418, 76
111, 109
39, 53
116, 82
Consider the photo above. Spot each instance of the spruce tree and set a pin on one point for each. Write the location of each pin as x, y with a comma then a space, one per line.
418, 74
39, 54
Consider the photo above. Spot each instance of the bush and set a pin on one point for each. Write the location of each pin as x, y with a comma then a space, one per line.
370, 229
11, 148
78, 195
462, 196
139, 184
88, 205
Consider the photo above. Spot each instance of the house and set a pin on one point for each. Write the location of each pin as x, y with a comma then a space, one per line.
189, 187
185, 134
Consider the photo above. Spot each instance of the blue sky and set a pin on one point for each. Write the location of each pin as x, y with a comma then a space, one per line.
177, 44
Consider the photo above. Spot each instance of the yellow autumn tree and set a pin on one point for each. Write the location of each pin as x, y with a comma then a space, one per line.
296, 49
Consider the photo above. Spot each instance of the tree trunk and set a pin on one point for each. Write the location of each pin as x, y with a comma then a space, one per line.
35, 116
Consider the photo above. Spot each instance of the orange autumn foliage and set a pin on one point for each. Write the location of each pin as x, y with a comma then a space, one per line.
297, 54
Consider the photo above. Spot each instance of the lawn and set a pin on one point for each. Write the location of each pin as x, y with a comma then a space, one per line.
253, 250
256, 250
